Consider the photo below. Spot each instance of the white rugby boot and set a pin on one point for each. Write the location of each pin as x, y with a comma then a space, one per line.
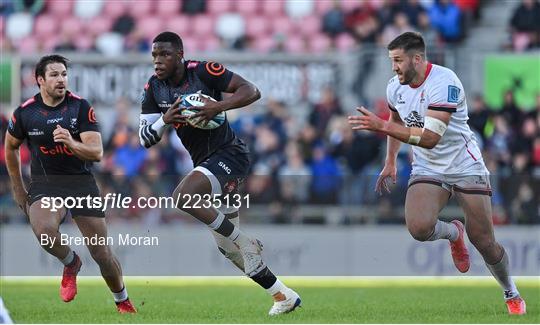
286, 306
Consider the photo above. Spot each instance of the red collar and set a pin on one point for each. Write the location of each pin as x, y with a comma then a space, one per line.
428, 70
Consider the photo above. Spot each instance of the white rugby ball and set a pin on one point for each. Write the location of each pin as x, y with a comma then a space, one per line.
190, 102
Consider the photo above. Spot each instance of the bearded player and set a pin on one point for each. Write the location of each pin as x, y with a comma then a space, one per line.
220, 158
429, 111
62, 133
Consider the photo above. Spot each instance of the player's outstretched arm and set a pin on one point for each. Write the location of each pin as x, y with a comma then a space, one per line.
12, 146
89, 148
435, 125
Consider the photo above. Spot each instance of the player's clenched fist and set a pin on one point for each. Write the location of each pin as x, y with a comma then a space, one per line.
62, 135
173, 115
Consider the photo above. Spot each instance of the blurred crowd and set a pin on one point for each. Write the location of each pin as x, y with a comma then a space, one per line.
114, 27
318, 160
525, 26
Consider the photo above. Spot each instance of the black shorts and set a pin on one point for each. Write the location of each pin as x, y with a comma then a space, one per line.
67, 186
229, 168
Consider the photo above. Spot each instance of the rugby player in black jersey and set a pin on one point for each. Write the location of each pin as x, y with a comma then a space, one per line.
63, 136
220, 158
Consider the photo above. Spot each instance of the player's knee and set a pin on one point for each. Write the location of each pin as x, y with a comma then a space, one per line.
420, 232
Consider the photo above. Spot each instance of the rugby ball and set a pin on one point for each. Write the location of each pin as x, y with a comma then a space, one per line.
189, 106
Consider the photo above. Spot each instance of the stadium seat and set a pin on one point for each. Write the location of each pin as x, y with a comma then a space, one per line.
142, 8
114, 9
319, 43
210, 44
88, 9
180, 24
294, 44
60, 8
19, 25
216, 7
203, 25
263, 44
98, 25
150, 26
27, 45
84, 42
230, 27
45, 25
282, 24
48, 44
348, 5
191, 45
310, 25
248, 7
110, 44
299, 9
167, 8
272, 8
322, 7
257, 26
345, 42
72, 25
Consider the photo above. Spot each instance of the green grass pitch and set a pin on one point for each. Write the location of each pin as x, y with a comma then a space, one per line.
238, 300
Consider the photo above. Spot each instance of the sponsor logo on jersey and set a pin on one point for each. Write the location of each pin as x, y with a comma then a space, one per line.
215, 69
414, 120
92, 116
73, 123
453, 94
164, 104
54, 120
225, 167
422, 96
35, 132
59, 149
400, 99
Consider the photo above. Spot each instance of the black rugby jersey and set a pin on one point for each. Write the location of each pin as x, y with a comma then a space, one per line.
210, 78
35, 122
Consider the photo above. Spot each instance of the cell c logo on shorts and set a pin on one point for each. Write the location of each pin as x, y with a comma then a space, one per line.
56, 150
92, 116
225, 167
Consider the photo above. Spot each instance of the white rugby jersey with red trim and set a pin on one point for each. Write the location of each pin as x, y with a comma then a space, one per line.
457, 152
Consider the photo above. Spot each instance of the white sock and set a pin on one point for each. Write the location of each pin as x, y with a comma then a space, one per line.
278, 286
500, 271
68, 259
444, 230
120, 296
217, 222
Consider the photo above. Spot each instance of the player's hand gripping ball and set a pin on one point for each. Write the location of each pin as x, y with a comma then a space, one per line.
189, 106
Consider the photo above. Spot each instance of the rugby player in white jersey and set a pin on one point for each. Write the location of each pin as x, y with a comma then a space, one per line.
429, 111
